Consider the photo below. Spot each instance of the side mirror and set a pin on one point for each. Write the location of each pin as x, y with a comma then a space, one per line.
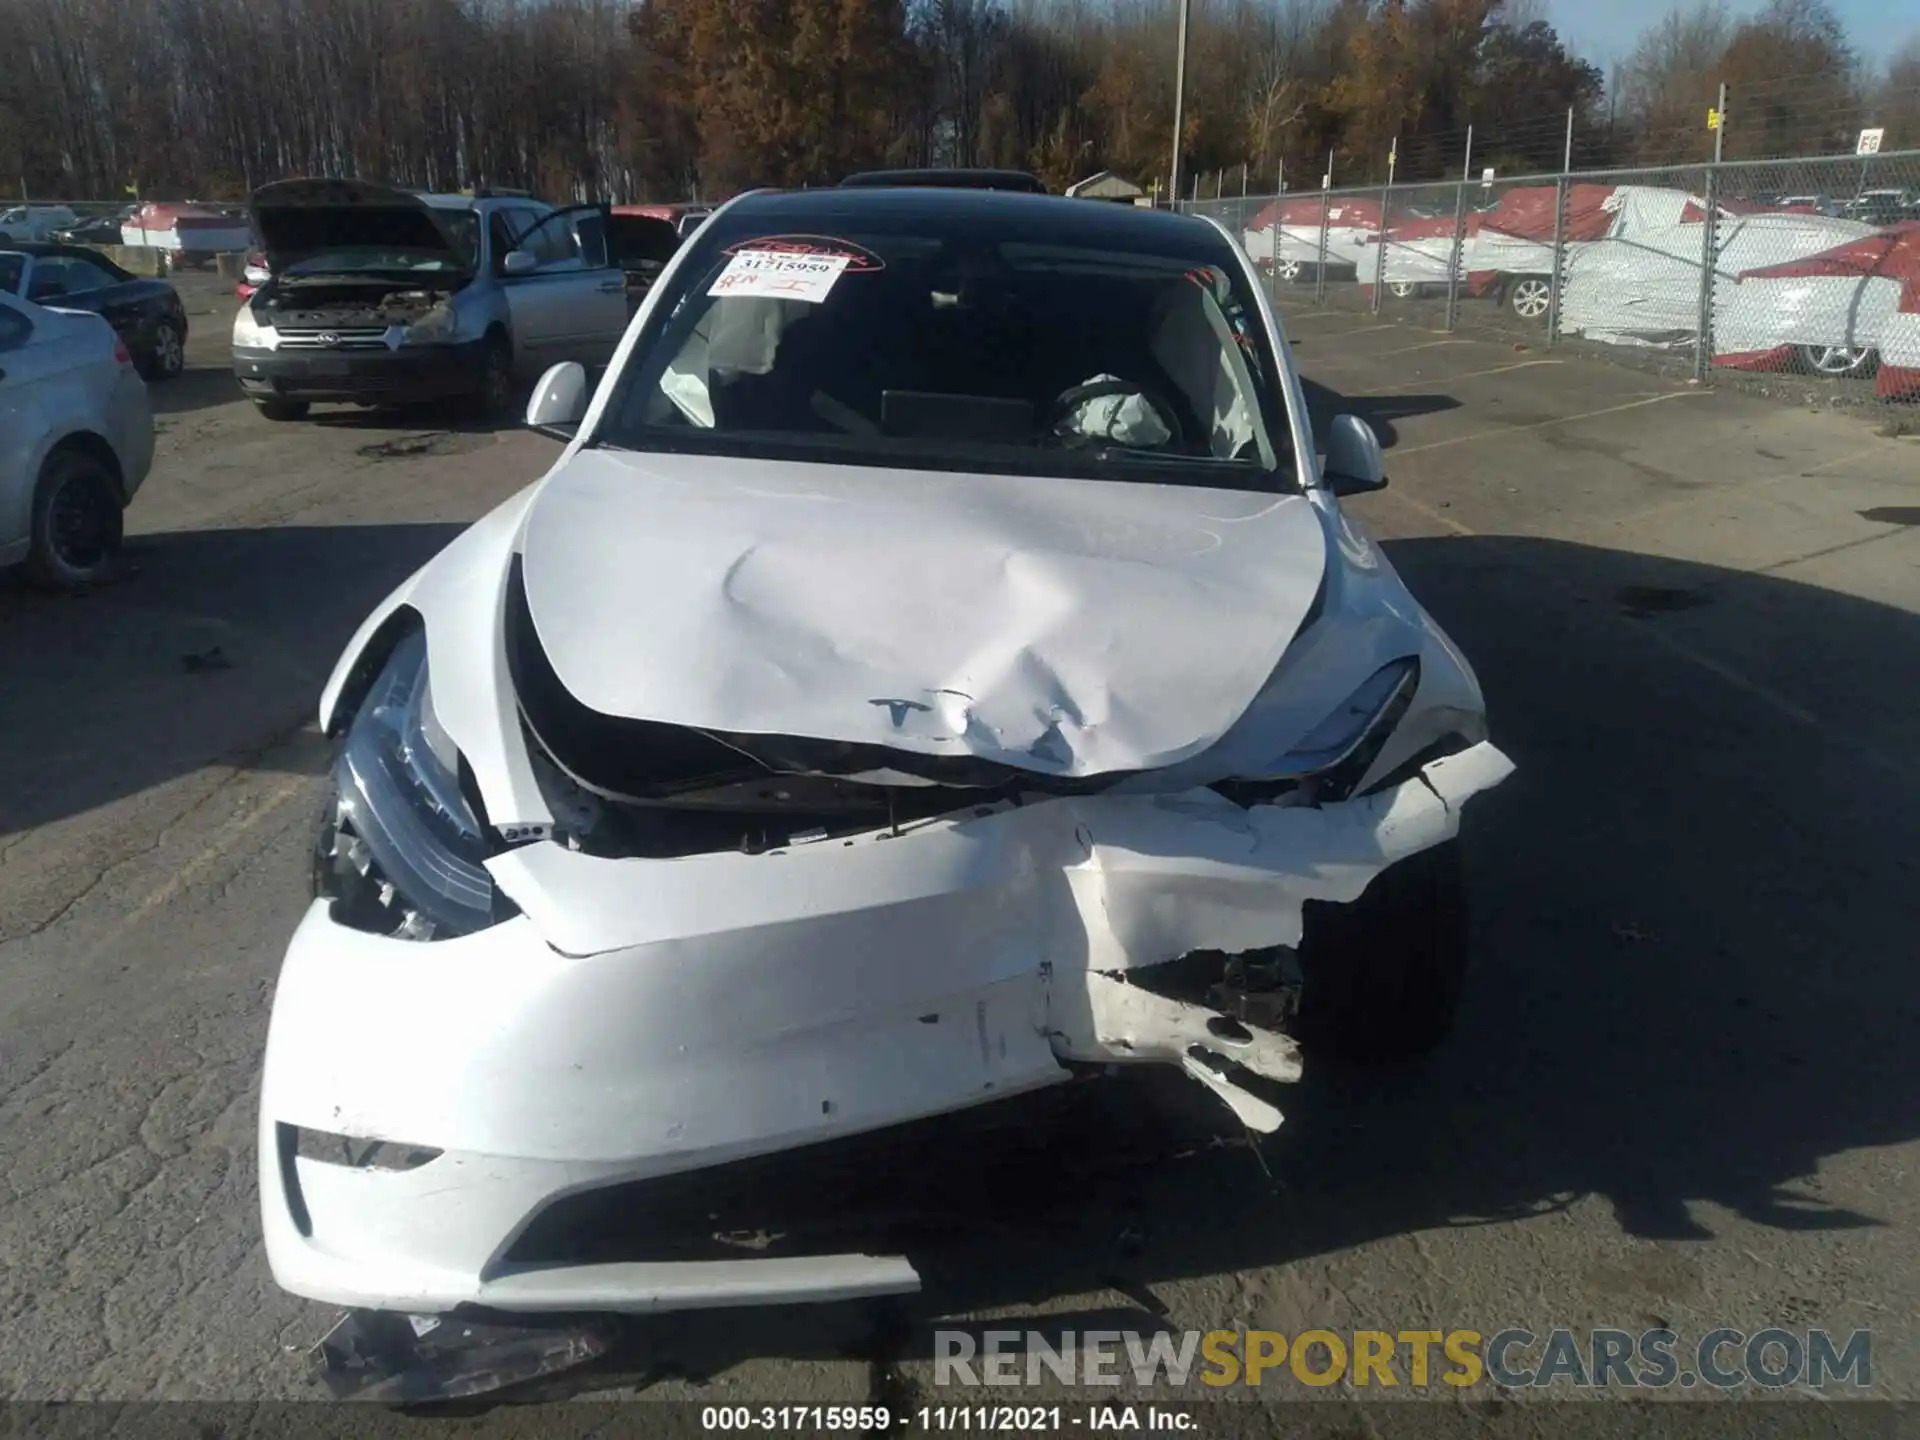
559, 401
519, 262
1354, 465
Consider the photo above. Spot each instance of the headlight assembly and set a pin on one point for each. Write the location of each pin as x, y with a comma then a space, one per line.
1364, 713
247, 329
1330, 759
401, 852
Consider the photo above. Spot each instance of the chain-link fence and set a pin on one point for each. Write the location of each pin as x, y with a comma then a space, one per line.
1807, 267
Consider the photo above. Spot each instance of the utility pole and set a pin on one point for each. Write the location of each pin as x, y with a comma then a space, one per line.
1710, 246
1566, 163
1180, 97
1386, 220
1459, 232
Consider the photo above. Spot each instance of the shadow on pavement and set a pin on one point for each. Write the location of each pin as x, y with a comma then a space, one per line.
1379, 411
111, 693
1694, 983
198, 387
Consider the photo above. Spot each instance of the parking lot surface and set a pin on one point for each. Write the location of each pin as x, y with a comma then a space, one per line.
1682, 1091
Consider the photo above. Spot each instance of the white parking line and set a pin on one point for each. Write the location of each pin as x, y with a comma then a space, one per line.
1469, 375
1424, 345
228, 839
1680, 648
1544, 424
1357, 330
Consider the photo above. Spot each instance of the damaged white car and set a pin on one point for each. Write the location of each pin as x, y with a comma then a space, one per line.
937, 667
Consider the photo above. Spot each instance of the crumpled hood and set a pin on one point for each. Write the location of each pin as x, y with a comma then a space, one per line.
1068, 627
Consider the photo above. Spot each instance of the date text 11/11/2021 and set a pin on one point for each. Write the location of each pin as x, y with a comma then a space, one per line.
984, 1419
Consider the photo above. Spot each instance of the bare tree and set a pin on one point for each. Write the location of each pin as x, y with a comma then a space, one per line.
1666, 83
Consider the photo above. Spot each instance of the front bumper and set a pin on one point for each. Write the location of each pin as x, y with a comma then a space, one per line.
376, 375
642, 1019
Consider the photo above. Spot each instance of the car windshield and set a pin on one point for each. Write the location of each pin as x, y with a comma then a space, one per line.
963, 342
12, 267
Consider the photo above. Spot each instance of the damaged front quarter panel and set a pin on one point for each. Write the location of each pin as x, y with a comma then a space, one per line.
460, 597
1091, 890
1164, 879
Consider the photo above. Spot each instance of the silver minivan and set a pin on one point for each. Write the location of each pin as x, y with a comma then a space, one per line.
381, 296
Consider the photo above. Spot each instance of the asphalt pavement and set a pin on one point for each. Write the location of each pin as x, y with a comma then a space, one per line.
1682, 1091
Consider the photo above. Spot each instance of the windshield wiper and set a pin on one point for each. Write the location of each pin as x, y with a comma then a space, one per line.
1158, 457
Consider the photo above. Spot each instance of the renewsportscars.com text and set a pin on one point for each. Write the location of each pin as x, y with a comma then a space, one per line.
1513, 1358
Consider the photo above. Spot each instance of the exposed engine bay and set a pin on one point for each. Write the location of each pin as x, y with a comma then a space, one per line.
336, 302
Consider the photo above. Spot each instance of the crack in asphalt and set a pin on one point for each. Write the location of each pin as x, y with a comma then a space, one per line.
239, 766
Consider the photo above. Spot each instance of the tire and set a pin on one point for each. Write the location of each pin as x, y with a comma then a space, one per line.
1837, 360
1382, 977
1289, 270
495, 397
282, 409
77, 522
1402, 289
1530, 296
169, 356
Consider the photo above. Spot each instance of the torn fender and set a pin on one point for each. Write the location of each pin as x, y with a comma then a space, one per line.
1238, 885
1105, 882
1076, 890
460, 596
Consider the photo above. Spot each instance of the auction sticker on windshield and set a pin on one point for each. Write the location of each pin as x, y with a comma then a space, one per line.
780, 276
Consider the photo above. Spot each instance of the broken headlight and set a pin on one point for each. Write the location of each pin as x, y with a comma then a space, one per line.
401, 851
1356, 728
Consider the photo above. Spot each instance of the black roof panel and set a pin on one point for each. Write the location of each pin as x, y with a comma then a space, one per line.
1040, 219
951, 179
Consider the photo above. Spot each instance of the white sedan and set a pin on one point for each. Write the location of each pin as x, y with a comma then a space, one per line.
937, 667
76, 441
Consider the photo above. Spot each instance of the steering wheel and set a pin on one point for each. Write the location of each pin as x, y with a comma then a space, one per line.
1073, 399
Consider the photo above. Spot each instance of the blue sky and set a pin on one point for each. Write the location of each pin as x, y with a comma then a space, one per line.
1604, 30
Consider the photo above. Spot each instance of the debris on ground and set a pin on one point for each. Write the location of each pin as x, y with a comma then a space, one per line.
409, 1359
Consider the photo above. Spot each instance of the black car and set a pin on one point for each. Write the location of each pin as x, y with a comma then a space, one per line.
147, 313
101, 230
954, 178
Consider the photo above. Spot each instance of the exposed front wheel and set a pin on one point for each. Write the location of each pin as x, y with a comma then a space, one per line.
1837, 359
1382, 977
76, 522
496, 382
282, 409
169, 355
1530, 297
